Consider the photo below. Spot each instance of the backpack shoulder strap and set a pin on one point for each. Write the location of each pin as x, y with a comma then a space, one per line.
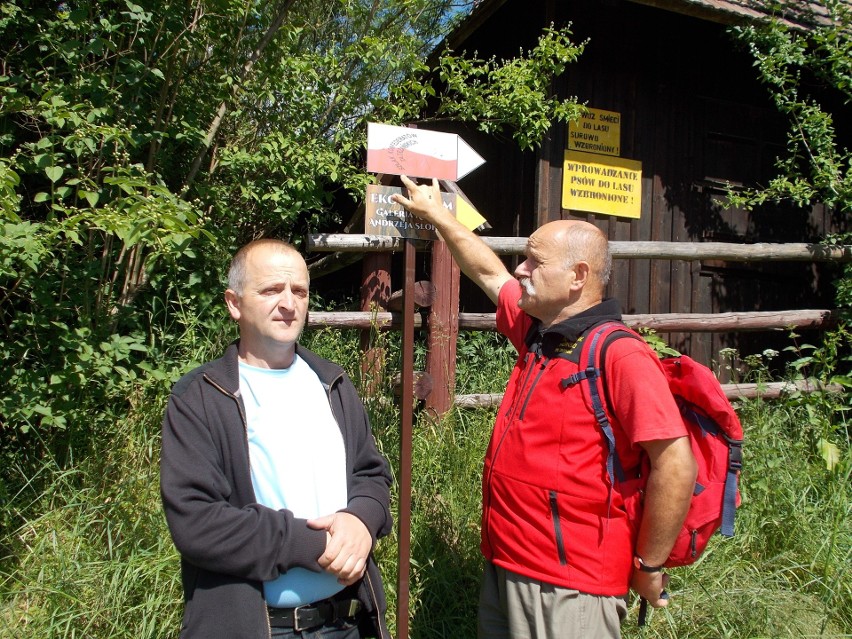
591, 369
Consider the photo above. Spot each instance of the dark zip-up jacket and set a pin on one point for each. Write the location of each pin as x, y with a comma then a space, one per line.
229, 544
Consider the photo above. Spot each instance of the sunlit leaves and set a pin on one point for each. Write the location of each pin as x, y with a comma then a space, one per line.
9, 198
103, 108
54, 173
515, 94
814, 167
139, 139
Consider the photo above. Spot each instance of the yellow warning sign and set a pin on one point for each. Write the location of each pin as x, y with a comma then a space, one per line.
597, 131
602, 184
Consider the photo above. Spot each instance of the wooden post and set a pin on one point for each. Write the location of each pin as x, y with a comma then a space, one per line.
375, 291
443, 329
405, 444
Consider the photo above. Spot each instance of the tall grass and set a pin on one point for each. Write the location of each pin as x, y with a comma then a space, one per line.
786, 572
86, 552
91, 555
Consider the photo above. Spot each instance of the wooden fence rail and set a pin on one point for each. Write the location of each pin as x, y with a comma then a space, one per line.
345, 242
660, 322
768, 390
345, 245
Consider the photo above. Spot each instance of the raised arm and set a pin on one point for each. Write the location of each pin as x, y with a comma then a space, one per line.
474, 257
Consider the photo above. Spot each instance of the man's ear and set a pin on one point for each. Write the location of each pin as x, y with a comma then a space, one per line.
581, 275
233, 302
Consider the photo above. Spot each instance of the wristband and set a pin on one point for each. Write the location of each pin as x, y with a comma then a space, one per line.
639, 564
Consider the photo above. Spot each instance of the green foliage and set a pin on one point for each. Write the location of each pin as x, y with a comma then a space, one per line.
789, 561
85, 552
297, 128
843, 285
794, 64
660, 346
790, 63
482, 359
495, 95
59, 369
84, 547
826, 429
141, 142
828, 418
85, 221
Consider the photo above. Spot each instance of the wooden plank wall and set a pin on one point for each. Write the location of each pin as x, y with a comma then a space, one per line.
694, 115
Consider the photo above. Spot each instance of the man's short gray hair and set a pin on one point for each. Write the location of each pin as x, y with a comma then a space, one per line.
587, 243
237, 270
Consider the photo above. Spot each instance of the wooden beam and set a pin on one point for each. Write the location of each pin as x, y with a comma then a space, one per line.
443, 329
620, 250
423, 385
769, 390
663, 323
803, 14
375, 291
424, 296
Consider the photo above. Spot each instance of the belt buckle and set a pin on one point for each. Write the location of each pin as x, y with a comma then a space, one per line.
313, 622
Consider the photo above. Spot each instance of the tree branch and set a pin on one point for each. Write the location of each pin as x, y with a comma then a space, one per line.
274, 26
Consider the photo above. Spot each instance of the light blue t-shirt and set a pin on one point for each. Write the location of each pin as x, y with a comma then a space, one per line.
298, 462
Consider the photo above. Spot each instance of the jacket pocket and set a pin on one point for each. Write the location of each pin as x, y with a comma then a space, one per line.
557, 528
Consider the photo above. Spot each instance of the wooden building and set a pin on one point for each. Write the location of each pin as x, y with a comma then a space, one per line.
691, 112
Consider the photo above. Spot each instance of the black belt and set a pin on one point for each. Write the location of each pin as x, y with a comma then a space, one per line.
312, 615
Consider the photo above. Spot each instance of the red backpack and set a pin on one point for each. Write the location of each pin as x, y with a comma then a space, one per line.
714, 431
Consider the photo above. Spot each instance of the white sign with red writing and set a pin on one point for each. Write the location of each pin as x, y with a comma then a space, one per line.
397, 150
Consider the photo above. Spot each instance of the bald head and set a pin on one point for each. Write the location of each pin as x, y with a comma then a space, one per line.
566, 270
580, 241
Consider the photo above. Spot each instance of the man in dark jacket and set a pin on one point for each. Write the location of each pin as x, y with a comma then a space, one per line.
272, 485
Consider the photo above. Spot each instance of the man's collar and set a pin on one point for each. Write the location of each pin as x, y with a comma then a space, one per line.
572, 328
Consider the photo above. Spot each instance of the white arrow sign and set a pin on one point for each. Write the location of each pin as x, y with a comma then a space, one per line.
397, 150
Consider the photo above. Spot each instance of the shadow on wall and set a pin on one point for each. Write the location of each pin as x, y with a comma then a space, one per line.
758, 286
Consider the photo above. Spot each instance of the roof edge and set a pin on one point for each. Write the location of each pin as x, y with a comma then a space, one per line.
725, 12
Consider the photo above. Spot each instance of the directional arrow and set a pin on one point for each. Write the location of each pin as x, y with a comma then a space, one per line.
397, 150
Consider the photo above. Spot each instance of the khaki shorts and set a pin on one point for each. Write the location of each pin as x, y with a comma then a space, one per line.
515, 607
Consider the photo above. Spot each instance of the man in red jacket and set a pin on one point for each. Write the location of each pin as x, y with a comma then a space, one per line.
561, 552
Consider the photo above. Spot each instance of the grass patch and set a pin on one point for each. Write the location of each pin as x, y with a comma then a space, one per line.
86, 552
91, 555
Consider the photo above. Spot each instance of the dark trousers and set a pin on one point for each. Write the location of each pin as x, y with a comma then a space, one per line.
336, 630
